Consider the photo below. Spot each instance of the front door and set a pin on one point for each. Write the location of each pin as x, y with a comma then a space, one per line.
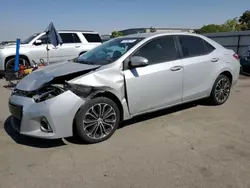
160, 83
40, 51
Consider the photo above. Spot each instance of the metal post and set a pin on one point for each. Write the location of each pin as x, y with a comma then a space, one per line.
18, 41
47, 48
238, 44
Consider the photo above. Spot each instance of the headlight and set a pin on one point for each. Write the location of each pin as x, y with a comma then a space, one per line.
80, 90
46, 93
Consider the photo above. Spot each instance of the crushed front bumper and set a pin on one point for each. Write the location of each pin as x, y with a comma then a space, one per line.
58, 113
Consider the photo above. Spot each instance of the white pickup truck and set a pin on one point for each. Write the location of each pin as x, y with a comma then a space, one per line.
34, 48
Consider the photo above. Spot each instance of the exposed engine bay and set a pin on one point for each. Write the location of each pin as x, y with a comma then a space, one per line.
52, 90
42, 94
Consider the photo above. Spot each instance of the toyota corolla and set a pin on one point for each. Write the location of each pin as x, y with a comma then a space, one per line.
120, 79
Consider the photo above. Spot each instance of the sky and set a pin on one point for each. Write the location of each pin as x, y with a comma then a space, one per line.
22, 18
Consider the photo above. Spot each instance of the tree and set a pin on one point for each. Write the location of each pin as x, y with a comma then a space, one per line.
210, 28
231, 25
245, 20
115, 34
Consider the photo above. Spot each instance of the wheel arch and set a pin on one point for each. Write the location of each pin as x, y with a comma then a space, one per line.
107, 94
225, 72
112, 97
228, 74
13, 56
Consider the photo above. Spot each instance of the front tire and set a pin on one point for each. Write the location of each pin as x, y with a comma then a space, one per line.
97, 120
220, 91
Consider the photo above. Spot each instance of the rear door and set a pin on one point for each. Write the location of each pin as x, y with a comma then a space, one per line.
160, 83
200, 62
91, 41
70, 47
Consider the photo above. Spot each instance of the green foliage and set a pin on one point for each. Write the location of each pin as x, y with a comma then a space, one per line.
115, 34
210, 28
235, 24
231, 25
245, 20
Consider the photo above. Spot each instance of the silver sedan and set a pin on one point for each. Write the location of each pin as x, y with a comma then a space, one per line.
120, 79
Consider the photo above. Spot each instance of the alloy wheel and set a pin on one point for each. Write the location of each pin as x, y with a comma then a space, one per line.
222, 90
99, 121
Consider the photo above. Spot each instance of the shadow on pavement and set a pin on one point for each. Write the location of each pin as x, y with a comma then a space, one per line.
159, 113
9, 86
75, 140
29, 141
140, 118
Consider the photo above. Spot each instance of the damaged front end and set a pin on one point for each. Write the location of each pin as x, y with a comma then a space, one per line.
52, 81
85, 82
50, 91
44, 93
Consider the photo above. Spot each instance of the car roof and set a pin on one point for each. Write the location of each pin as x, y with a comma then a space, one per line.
74, 31
148, 36
82, 31
156, 34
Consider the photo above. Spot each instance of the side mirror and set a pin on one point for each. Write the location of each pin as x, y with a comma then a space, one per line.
38, 42
138, 61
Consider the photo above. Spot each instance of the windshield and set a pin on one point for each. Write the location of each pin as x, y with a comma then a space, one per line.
108, 52
28, 40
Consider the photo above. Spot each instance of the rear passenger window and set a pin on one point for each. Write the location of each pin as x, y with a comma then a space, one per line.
92, 37
159, 50
76, 38
194, 46
67, 37
209, 47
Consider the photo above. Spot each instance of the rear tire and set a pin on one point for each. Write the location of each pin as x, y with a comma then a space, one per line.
220, 91
97, 120
10, 64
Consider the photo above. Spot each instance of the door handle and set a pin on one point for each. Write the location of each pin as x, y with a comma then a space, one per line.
215, 60
55, 48
176, 68
77, 46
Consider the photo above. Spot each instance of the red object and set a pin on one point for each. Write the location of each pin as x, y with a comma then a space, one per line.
21, 70
236, 56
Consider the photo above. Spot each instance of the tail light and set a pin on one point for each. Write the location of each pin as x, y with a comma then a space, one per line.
236, 56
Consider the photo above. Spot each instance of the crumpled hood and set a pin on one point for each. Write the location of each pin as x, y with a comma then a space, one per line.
44, 75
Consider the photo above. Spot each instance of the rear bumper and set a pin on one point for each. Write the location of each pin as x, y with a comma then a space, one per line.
2, 64
236, 75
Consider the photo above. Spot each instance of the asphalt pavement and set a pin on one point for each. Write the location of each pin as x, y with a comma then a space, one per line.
191, 146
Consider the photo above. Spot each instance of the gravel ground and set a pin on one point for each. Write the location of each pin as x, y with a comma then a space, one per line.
187, 146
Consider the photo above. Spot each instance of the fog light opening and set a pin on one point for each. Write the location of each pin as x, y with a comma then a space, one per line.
45, 127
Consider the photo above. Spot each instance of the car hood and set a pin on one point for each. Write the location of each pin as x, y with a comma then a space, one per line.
8, 46
63, 71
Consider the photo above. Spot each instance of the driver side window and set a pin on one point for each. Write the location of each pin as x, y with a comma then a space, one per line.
159, 50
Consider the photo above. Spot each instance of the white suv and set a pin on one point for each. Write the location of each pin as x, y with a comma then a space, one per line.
34, 48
